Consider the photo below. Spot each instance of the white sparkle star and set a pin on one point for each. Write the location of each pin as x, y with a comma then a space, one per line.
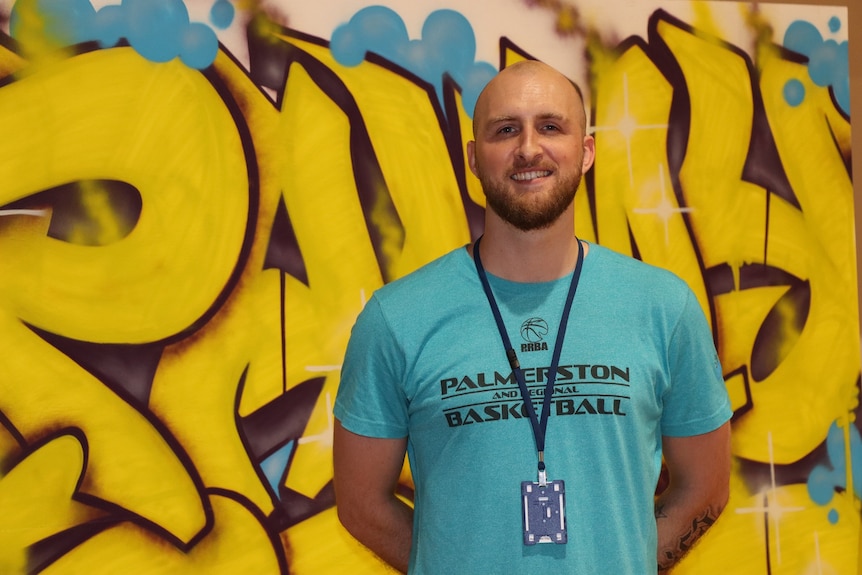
627, 125
665, 209
773, 509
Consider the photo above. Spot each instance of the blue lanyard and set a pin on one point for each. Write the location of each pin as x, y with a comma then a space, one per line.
539, 425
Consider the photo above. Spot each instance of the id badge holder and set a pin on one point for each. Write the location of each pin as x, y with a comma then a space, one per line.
544, 512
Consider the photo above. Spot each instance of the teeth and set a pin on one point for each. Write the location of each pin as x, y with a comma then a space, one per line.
524, 176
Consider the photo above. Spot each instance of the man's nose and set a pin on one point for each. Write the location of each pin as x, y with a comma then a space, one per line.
528, 146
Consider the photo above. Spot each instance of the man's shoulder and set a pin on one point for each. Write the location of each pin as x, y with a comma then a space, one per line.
439, 273
630, 264
626, 274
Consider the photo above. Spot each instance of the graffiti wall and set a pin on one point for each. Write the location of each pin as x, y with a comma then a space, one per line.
198, 197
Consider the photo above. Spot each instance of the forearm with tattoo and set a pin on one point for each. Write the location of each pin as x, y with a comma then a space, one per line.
669, 556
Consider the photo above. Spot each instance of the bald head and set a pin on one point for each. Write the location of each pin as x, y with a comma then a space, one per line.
521, 74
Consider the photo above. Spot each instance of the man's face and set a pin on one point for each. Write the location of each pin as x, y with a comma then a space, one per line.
530, 150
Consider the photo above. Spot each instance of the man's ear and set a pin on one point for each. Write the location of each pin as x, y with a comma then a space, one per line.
589, 153
471, 156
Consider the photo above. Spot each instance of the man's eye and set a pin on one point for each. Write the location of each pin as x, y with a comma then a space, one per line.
506, 130
550, 128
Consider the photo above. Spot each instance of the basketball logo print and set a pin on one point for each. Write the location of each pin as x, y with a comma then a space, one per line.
534, 329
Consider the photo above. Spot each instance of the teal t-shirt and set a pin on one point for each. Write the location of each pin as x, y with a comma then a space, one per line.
425, 361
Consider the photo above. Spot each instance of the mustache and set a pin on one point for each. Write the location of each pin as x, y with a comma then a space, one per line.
535, 164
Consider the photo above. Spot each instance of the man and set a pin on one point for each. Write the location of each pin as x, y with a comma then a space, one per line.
621, 376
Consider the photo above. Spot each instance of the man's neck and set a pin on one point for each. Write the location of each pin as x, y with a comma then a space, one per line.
534, 256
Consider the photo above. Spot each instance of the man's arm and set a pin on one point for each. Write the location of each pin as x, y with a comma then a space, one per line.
699, 469
366, 472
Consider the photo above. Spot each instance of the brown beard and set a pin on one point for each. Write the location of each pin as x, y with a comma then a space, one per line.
527, 214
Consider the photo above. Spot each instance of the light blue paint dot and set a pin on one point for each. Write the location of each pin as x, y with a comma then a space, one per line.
834, 24
109, 26
821, 485
375, 29
346, 47
824, 63
199, 46
452, 36
156, 27
221, 14
802, 37
794, 92
833, 517
447, 47
473, 83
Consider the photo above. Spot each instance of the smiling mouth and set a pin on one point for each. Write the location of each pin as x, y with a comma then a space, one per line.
527, 176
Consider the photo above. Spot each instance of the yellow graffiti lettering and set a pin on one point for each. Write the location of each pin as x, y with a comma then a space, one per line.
183, 254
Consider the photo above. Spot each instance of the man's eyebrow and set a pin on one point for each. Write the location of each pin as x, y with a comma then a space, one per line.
544, 116
552, 116
499, 119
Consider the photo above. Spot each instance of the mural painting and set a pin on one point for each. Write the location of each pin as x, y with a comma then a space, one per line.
198, 197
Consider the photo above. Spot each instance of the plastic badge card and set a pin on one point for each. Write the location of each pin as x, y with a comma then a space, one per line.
544, 512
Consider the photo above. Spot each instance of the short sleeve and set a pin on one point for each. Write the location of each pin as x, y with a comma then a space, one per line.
696, 400
370, 399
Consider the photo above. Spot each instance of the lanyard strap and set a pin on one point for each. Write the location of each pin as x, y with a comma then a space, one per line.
539, 425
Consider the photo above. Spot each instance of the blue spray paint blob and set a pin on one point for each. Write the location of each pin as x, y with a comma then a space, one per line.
823, 62
834, 24
109, 26
159, 30
832, 516
155, 27
447, 46
794, 92
221, 14
826, 479
374, 29
198, 46
822, 483
828, 60
802, 37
